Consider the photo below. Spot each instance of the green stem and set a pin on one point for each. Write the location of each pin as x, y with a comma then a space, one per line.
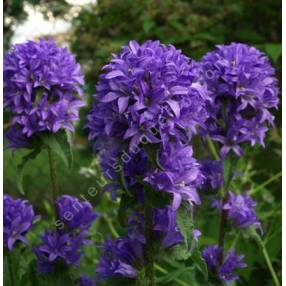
213, 149
272, 179
164, 271
110, 226
148, 249
53, 178
267, 259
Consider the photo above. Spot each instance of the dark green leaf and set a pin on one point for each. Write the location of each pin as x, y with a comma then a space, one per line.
21, 167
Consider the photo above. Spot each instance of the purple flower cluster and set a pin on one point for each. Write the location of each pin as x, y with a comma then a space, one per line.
149, 90
213, 173
240, 210
181, 174
123, 257
243, 88
62, 247
74, 213
58, 249
18, 218
41, 90
224, 272
149, 94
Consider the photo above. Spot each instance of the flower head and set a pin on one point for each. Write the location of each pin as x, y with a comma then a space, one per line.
224, 272
18, 218
240, 210
231, 263
211, 254
148, 92
41, 88
213, 173
244, 88
58, 249
75, 214
120, 258
180, 174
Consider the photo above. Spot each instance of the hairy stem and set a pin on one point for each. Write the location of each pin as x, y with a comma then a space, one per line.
53, 178
148, 251
267, 259
222, 228
229, 166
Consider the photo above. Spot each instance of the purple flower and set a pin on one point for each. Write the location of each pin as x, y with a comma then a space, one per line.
41, 89
166, 228
243, 88
196, 234
231, 263
86, 281
75, 214
240, 210
224, 272
18, 218
58, 249
213, 173
211, 254
121, 258
148, 92
181, 175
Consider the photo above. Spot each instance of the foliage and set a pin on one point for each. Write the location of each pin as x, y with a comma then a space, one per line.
195, 27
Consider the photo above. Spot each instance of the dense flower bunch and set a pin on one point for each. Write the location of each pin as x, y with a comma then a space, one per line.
148, 90
63, 246
225, 272
18, 218
74, 213
240, 210
213, 173
123, 257
150, 94
244, 88
181, 174
41, 90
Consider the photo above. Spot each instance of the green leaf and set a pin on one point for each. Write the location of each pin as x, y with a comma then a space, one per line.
185, 223
21, 167
273, 50
171, 276
184, 250
200, 262
61, 144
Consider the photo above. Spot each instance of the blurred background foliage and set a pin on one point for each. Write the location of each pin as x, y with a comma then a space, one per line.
195, 26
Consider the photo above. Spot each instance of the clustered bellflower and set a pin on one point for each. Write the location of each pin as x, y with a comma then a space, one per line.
224, 272
240, 210
62, 247
244, 88
149, 94
18, 219
148, 90
42, 90
124, 257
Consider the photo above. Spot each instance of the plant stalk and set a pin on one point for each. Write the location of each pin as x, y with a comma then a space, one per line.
53, 179
148, 253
